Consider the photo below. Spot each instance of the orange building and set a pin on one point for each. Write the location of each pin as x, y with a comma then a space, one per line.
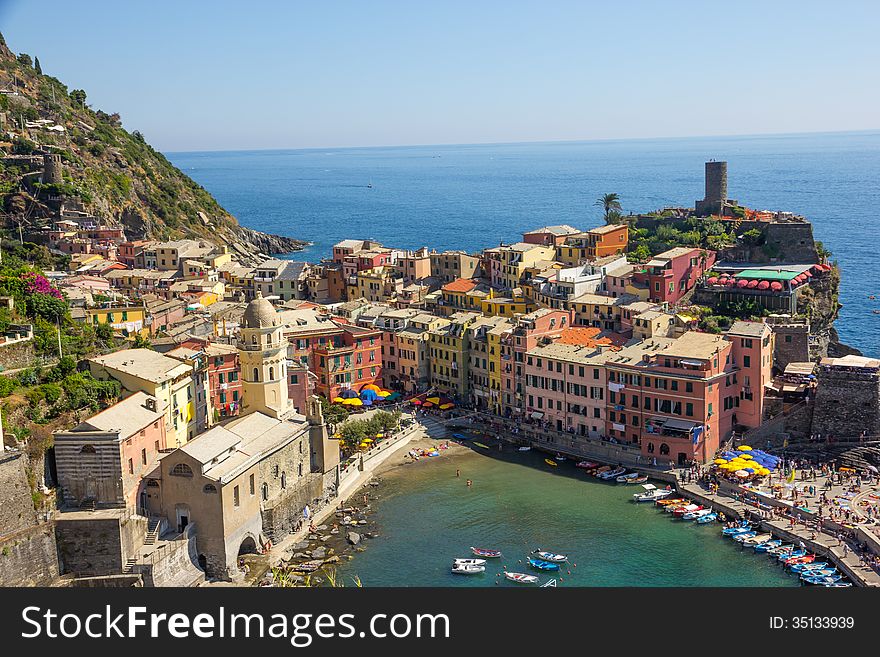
594, 243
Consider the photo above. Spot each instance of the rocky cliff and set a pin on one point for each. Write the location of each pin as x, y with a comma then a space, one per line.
103, 170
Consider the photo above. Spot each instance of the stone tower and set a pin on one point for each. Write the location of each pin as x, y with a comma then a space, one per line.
325, 450
716, 190
52, 171
262, 352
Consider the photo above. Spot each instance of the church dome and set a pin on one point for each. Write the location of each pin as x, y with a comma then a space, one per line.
259, 313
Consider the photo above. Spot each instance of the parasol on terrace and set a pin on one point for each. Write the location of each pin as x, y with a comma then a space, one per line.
776, 286
348, 393
764, 285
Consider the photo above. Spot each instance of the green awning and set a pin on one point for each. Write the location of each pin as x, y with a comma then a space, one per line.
767, 274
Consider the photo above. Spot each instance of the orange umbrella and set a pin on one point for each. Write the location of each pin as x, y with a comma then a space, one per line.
373, 387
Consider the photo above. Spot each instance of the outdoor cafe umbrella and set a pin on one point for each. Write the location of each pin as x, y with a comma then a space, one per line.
369, 395
338, 400
348, 393
447, 406
394, 396
434, 400
371, 386
415, 401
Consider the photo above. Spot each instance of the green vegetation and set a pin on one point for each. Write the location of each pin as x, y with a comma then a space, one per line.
611, 208
353, 432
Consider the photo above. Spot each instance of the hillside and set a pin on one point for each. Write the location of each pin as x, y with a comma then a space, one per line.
107, 171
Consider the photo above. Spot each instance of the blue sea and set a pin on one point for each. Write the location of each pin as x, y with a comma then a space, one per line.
475, 196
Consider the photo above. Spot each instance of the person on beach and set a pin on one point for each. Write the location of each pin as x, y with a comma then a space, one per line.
457, 472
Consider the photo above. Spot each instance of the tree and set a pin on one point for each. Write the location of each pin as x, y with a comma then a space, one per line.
78, 96
609, 203
613, 217
25, 60
37, 67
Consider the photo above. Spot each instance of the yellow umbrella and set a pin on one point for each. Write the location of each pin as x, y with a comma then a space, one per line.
446, 407
383, 393
744, 448
380, 435
747, 457
367, 440
338, 400
720, 461
434, 400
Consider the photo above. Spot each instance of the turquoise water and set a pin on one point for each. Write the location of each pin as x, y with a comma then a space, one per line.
472, 197
427, 517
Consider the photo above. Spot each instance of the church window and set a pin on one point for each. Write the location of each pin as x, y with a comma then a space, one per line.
256, 374
181, 470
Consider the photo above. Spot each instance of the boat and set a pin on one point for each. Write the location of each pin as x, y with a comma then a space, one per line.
641, 479
693, 515
559, 457
586, 465
837, 585
611, 474
521, 578
785, 556
651, 494
818, 572
550, 556
540, 564
551, 462
672, 508
709, 517
524, 449
807, 558
739, 538
475, 562
804, 567
683, 510
489, 554
459, 436
768, 545
829, 579
467, 569
671, 501
757, 540
622, 479
742, 527
599, 471
484, 446
370, 184
779, 550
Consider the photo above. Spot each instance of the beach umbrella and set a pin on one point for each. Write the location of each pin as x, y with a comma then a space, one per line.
776, 286
741, 473
744, 448
415, 401
427, 404
742, 282
747, 457
752, 285
383, 393
393, 396
348, 393
354, 401
434, 400
720, 461
367, 402
764, 285
380, 435
371, 386
712, 280
338, 400
370, 395
446, 407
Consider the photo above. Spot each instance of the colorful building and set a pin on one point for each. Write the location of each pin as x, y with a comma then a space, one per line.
668, 276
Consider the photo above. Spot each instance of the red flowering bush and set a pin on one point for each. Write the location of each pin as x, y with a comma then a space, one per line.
38, 284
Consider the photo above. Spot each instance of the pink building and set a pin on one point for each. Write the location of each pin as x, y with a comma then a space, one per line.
671, 274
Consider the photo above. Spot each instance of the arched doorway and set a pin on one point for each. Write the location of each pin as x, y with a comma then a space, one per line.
248, 546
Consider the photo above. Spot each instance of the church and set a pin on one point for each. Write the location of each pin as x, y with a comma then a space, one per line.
246, 482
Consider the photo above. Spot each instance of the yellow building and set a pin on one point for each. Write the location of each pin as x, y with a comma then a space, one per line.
506, 306
493, 338
128, 320
482, 363
379, 284
167, 379
463, 294
449, 355
505, 265
414, 351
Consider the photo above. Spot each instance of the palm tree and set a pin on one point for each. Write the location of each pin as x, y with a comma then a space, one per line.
610, 204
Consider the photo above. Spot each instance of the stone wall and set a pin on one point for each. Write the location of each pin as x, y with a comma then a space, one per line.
175, 563
29, 557
282, 514
16, 501
847, 403
17, 355
98, 545
792, 344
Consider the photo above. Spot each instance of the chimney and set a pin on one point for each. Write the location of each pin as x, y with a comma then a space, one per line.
150, 404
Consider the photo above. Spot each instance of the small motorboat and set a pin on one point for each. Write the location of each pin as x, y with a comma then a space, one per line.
611, 474
559, 457
681, 511
837, 585
475, 562
742, 527
829, 579
551, 462
600, 471
540, 564
807, 558
521, 578
622, 479
674, 501
586, 465
641, 479
757, 540
550, 556
524, 449
652, 494
768, 545
779, 550
820, 572
478, 444
785, 556
709, 517
804, 567
699, 513
459, 436
488, 554
739, 538
467, 569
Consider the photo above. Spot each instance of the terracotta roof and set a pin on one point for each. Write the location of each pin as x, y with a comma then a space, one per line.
590, 336
460, 285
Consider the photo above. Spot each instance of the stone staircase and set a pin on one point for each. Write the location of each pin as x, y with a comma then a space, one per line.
126, 569
434, 428
153, 531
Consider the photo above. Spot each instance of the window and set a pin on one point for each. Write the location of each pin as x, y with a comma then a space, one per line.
664, 449
294, 379
689, 409
144, 456
87, 449
236, 497
747, 361
271, 373
130, 466
688, 386
265, 491
209, 488
256, 374
181, 470
252, 485
283, 480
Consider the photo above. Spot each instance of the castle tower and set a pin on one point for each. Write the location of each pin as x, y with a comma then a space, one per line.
325, 450
52, 171
262, 352
716, 181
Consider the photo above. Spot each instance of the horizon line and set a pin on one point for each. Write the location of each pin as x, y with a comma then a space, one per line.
535, 141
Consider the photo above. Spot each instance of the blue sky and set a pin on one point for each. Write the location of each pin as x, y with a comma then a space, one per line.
215, 75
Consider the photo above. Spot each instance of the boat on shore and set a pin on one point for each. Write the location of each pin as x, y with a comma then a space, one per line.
550, 556
622, 479
675, 501
768, 545
540, 564
693, 515
488, 554
483, 445
467, 569
757, 540
739, 538
551, 462
524, 449
641, 479
521, 578
611, 474
805, 567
